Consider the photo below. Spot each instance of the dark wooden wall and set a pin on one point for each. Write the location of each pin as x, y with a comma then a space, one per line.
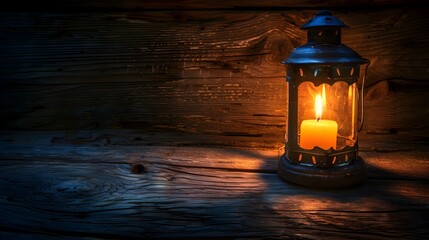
198, 73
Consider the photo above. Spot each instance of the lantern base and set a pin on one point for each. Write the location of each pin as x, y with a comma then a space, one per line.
335, 177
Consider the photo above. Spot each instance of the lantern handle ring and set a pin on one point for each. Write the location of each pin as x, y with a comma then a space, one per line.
368, 62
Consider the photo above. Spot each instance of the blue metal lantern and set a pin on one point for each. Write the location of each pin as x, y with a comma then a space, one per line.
321, 147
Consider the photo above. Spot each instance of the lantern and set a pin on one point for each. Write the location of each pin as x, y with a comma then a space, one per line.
321, 147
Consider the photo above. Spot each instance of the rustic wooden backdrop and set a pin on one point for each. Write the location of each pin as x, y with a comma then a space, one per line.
198, 73
76, 75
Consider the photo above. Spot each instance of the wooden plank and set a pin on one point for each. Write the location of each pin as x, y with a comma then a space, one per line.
212, 74
404, 119
145, 46
391, 165
97, 198
403, 101
133, 5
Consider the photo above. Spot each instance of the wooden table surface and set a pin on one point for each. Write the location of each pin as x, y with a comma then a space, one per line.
68, 191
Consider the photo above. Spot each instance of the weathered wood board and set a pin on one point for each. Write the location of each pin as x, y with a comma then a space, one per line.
174, 5
65, 191
210, 73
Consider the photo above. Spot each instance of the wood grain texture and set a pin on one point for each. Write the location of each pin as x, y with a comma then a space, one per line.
214, 74
157, 5
64, 191
403, 165
403, 103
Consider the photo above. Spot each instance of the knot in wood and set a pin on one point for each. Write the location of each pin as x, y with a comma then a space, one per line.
138, 168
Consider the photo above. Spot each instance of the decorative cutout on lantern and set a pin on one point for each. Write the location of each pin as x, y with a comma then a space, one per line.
322, 117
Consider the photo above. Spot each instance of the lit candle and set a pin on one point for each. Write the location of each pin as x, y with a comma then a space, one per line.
318, 132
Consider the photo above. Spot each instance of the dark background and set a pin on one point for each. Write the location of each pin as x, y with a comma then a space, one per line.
198, 72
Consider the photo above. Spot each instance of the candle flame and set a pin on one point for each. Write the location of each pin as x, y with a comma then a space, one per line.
318, 107
323, 95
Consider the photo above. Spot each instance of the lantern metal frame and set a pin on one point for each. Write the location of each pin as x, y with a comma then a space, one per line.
322, 60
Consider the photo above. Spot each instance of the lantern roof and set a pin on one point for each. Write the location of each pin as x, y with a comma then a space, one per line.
324, 43
324, 18
324, 54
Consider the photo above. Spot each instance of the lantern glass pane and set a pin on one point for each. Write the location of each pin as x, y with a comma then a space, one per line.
327, 115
